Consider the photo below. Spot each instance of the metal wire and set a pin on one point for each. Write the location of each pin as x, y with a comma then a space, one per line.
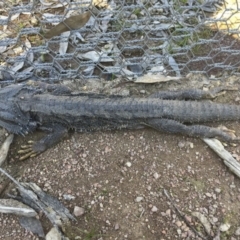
118, 38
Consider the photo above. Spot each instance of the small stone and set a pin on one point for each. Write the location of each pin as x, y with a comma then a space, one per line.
218, 190
188, 218
224, 227
179, 223
53, 234
237, 233
133, 17
154, 209
156, 175
179, 231
78, 211
128, 164
209, 195
181, 144
68, 197
138, 199
168, 212
116, 227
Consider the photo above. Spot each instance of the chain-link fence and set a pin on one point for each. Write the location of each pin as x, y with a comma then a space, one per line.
62, 39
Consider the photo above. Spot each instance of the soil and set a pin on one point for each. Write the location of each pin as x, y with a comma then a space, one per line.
119, 178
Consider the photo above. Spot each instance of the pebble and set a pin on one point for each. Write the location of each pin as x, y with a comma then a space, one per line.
224, 227
237, 233
128, 164
188, 218
138, 199
156, 175
218, 190
208, 194
168, 212
116, 227
53, 234
78, 211
181, 144
179, 223
133, 17
68, 197
154, 209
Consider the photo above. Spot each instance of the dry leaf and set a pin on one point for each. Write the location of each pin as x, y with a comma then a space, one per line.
64, 44
151, 78
71, 23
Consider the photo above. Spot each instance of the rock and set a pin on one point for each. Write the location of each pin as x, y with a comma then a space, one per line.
116, 227
179, 231
208, 195
154, 209
53, 234
128, 164
138, 199
203, 220
78, 211
168, 212
188, 218
237, 233
68, 197
179, 223
224, 227
156, 175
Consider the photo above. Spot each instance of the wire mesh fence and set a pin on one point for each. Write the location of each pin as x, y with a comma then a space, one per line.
61, 39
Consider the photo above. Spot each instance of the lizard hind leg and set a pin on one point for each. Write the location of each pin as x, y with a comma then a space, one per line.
201, 131
192, 94
32, 148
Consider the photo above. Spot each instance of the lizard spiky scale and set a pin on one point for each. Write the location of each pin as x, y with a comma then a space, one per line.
26, 108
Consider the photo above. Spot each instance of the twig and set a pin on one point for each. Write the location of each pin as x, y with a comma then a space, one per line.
4, 148
182, 216
228, 159
32, 197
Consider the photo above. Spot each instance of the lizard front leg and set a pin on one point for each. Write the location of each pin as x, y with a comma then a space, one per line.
201, 131
34, 148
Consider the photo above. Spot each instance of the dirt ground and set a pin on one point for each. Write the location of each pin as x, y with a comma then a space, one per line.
118, 179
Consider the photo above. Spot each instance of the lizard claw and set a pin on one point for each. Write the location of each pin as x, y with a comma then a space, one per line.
27, 151
218, 91
229, 132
